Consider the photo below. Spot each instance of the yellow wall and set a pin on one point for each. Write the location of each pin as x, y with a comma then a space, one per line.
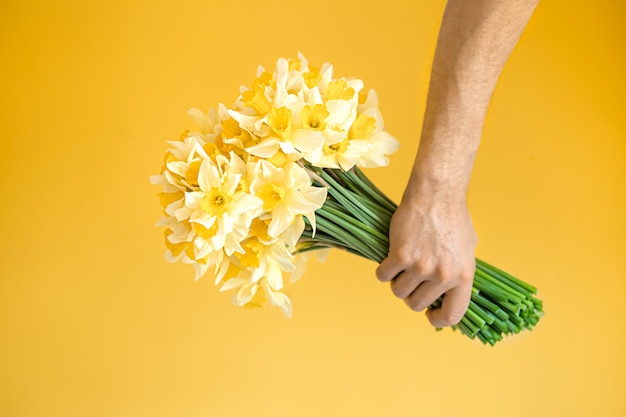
94, 322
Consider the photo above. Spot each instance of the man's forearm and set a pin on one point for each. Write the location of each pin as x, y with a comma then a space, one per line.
475, 40
431, 235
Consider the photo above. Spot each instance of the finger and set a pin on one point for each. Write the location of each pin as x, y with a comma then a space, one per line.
453, 307
405, 284
424, 295
388, 269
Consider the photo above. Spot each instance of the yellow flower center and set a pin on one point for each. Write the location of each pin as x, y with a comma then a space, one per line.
312, 78
184, 134
176, 248
294, 64
203, 232
256, 99
258, 228
192, 173
362, 127
232, 272
338, 89
279, 159
248, 139
251, 257
280, 121
230, 128
271, 194
337, 147
168, 198
266, 79
362, 97
212, 149
216, 202
314, 117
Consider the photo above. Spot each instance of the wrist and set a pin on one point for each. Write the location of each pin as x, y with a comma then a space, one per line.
440, 176
432, 188
446, 154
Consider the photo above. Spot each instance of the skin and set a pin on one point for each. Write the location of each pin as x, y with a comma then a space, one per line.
432, 239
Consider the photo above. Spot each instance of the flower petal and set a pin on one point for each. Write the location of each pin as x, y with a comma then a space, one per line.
265, 149
306, 140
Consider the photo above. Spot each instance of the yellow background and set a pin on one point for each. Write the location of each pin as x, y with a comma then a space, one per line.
94, 322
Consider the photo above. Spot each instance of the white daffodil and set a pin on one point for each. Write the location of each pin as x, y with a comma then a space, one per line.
382, 144
258, 294
339, 89
343, 155
341, 115
265, 261
210, 122
252, 123
262, 254
257, 262
286, 193
334, 119
369, 126
255, 102
309, 126
202, 265
286, 131
279, 121
292, 234
277, 298
176, 248
221, 211
256, 277
267, 256
182, 162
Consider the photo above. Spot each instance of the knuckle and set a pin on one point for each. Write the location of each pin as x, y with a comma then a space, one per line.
450, 275
445, 273
467, 272
404, 256
467, 275
423, 266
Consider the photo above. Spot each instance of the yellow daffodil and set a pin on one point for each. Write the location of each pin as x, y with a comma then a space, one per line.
371, 128
221, 211
209, 123
286, 193
257, 294
236, 191
256, 274
181, 164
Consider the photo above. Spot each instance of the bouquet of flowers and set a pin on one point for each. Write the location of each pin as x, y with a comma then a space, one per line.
259, 186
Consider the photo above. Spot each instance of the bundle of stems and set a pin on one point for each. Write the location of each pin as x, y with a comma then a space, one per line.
356, 217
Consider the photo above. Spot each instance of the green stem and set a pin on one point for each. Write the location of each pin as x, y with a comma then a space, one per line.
356, 217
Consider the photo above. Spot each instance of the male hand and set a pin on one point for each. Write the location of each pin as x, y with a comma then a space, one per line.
431, 253
431, 236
